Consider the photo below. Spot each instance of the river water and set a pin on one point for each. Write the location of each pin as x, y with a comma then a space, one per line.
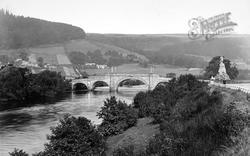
26, 128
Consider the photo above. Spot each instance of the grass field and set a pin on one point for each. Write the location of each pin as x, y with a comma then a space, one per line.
136, 69
86, 45
63, 59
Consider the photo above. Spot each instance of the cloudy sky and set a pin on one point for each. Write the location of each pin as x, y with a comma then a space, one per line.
131, 16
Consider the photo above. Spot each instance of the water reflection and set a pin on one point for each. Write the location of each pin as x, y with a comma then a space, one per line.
26, 128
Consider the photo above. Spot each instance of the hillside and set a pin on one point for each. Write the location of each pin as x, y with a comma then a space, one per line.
59, 54
20, 32
86, 46
178, 49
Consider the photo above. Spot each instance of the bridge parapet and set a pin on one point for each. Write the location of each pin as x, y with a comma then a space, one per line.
113, 80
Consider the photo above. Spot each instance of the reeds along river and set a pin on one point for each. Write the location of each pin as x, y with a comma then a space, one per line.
26, 128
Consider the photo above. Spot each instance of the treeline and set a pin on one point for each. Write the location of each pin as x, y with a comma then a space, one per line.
19, 31
175, 59
19, 87
175, 50
110, 58
193, 121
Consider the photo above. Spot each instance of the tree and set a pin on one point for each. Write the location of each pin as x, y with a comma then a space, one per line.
13, 83
213, 67
18, 152
20, 86
75, 136
23, 54
40, 62
20, 32
4, 59
117, 116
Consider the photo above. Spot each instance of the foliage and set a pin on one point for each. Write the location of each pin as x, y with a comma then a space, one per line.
19, 31
213, 67
23, 54
78, 58
159, 102
4, 59
18, 152
180, 52
192, 119
96, 57
47, 84
20, 85
111, 58
40, 61
117, 116
84, 74
74, 136
171, 75
13, 83
143, 64
127, 151
202, 132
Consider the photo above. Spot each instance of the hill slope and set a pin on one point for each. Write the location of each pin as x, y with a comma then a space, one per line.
19, 31
178, 49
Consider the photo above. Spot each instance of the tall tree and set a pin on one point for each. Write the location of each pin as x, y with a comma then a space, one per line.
213, 67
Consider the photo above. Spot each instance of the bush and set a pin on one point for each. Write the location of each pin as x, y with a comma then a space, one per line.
159, 102
117, 116
193, 120
199, 125
127, 151
74, 136
18, 152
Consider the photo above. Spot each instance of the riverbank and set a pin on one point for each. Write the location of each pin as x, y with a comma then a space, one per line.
242, 104
138, 136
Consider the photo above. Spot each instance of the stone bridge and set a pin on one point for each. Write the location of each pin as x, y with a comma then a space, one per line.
113, 81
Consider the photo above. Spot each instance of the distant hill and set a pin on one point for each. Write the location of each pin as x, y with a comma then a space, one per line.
49, 52
178, 49
19, 31
86, 46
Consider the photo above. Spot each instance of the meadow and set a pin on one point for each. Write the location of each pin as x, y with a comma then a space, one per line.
162, 70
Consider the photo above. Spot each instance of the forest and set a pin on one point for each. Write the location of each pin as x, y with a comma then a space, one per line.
19, 31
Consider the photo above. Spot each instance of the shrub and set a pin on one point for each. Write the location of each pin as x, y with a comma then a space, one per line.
18, 152
74, 136
127, 151
117, 116
159, 102
199, 125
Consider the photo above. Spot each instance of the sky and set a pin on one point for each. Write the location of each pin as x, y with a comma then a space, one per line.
131, 16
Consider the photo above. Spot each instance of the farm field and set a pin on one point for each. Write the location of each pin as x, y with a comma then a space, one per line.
162, 70
85, 46
48, 53
63, 59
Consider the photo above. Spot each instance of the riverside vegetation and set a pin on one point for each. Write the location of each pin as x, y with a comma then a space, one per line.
19, 87
193, 121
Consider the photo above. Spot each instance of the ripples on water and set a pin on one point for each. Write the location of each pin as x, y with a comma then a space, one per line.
26, 128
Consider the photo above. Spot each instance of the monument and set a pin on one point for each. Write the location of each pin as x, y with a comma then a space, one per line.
222, 73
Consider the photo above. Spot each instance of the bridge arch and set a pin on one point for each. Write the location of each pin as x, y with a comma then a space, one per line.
79, 86
162, 83
118, 83
99, 83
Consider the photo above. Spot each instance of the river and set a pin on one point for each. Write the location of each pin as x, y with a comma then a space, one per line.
26, 128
